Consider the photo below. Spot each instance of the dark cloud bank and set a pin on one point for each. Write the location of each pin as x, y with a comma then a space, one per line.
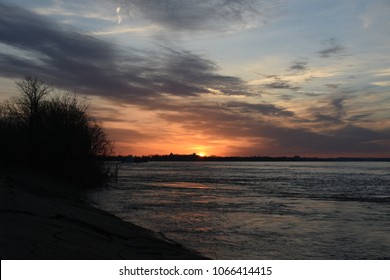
34, 45
83, 63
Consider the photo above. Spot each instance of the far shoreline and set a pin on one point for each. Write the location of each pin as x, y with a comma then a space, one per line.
197, 158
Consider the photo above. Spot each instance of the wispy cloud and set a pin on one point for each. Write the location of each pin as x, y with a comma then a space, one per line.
332, 48
82, 10
298, 65
275, 82
60, 11
192, 15
381, 83
278, 83
332, 86
338, 105
263, 109
121, 29
382, 73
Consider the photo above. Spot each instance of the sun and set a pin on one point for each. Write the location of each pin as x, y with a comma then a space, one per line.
202, 154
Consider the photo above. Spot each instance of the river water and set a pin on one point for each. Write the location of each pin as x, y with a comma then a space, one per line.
259, 210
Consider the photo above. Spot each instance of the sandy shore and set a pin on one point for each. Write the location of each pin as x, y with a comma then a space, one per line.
40, 219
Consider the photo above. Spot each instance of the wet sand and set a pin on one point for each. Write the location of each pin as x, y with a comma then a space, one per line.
43, 219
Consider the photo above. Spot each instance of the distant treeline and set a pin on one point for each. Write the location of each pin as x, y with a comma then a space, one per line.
195, 157
52, 133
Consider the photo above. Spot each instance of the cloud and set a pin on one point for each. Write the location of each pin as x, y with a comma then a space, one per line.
62, 56
172, 83
338, 105
381, 83
120, 29
182, 72
264, 109
85, 64
333, 113
345, 140
311, 93
193, 15
333, 48
291, 81
70, 11
360, 117
328, 119
263, 137
382, 73
331, 51
60, 11
278, 83
128, 135
298, 66
333, 86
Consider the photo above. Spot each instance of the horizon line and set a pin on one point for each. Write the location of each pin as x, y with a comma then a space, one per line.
296, 157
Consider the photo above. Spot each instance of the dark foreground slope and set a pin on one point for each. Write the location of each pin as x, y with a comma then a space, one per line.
39, 220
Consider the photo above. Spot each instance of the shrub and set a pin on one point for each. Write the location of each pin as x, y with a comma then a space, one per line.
53, 134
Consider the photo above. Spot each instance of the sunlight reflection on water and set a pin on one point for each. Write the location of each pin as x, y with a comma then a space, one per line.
186, 185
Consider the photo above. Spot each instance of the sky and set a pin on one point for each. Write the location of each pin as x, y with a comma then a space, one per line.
217, 77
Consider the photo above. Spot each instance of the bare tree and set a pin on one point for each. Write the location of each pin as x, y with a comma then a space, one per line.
33, 91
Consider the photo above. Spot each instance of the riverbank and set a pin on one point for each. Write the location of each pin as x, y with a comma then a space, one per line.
43, 219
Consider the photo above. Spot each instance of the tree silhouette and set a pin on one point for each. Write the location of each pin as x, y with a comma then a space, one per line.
52, 134
30, 102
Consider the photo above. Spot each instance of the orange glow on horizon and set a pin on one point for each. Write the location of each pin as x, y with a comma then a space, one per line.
139, 132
